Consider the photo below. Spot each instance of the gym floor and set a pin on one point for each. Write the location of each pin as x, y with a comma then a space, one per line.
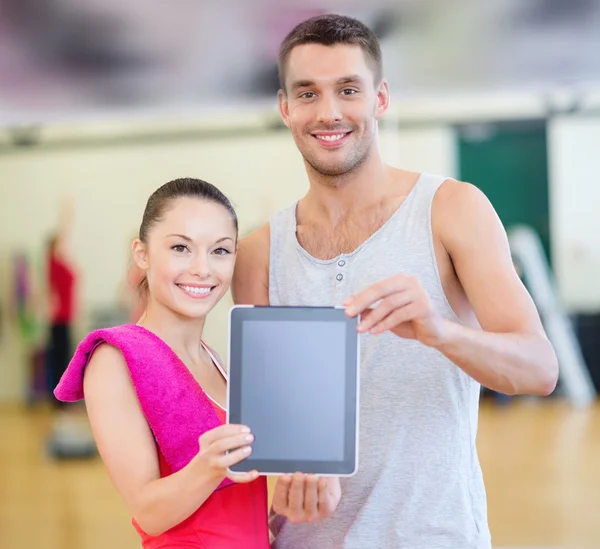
540, 458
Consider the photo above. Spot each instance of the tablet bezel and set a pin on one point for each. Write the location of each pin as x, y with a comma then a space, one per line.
238, 314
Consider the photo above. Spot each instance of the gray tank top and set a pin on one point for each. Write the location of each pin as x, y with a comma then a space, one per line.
419, 483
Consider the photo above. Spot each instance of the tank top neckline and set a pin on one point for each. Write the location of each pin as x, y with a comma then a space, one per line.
364, 244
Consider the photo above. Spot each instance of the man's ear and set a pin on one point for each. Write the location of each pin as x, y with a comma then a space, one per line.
383, 99
284, 107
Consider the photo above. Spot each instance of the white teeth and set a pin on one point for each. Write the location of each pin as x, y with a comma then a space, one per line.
331, 137
195, 290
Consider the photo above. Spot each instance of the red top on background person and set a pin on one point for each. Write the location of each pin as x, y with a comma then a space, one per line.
61, 277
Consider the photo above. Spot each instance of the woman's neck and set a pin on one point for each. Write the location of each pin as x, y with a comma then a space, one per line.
182, 334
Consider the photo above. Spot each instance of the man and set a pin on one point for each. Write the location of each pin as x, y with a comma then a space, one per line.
426, 262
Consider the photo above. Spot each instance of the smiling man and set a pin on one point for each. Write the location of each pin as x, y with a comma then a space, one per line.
425, 260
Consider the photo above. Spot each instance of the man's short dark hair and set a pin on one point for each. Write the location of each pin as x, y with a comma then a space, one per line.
330, 30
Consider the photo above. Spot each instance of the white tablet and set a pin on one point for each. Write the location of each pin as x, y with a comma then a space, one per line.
294, 380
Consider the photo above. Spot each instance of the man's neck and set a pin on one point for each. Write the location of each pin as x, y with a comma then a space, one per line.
340, 196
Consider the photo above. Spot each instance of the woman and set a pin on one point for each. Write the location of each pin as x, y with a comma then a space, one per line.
156, 393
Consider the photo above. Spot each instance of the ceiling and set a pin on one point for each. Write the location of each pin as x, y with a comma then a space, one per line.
61, 56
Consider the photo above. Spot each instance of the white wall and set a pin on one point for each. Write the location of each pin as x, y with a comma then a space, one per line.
574, 153
428, 148
261, 171
110, 184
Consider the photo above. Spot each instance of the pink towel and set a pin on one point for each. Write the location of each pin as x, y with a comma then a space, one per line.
178, 411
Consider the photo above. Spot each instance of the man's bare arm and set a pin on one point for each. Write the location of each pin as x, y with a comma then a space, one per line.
250, 284
512, 354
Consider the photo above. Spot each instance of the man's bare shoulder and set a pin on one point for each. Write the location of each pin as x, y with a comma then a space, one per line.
456, 199
462, 214
257, 242
250, 284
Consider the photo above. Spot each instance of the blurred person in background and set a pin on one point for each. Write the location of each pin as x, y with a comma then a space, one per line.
70, 435
62, 295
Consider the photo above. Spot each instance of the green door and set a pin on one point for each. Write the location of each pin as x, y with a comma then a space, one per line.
508, 161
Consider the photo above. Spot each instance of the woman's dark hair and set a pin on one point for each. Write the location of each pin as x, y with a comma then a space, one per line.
162, 198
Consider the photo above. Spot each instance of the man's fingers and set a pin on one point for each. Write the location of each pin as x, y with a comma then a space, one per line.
280, 494
389, 304
329, 495
311, 498
305, 498
397, 317
357, 303
324, 499
296, 498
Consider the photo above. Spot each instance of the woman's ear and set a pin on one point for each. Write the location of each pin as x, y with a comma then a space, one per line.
140, 255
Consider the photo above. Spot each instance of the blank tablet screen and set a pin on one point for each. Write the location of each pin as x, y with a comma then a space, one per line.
293, 382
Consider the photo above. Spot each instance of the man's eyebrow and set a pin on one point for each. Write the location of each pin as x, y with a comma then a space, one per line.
305, 83
354, 78
302, 84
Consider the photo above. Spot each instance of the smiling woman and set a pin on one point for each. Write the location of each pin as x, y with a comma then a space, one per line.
156, 393
187, 242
